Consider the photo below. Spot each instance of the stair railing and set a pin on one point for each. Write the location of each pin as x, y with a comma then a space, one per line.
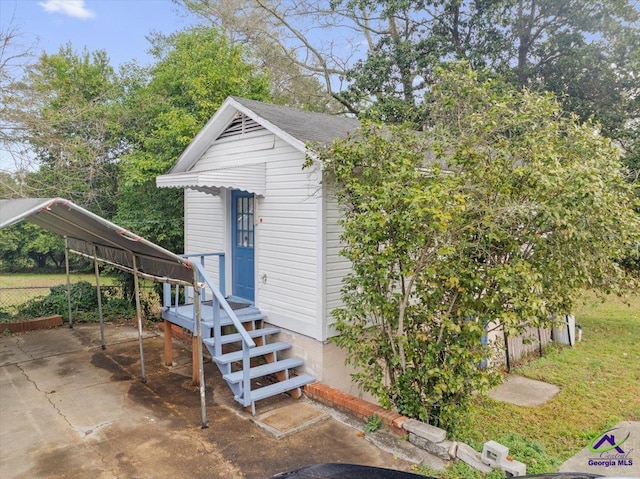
171, 301
247, 343
221, 268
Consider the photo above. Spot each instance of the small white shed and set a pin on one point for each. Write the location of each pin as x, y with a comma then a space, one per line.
248, 196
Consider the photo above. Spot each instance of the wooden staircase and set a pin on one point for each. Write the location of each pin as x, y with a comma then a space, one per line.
240, 343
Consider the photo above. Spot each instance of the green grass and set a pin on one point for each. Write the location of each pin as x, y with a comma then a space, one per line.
33, 285
26, 280
599, 380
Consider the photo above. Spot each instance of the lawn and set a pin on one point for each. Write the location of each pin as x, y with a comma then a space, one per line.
29, 280
18, 288
600, 386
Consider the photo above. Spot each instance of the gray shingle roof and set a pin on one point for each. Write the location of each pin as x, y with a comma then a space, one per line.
306, 126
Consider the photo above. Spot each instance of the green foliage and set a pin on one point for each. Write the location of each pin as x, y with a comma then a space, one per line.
530, 452
66, 110
373, 423
84, 300
585, 406
26, 245
499, 215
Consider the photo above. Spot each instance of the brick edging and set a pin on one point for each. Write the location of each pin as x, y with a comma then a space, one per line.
34, 324
354, 406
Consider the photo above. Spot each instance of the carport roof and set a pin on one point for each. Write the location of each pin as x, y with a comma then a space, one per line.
90, 234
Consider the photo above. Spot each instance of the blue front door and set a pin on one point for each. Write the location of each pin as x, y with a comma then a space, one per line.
242, 241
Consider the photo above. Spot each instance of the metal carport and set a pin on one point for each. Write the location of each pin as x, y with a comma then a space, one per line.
94, 237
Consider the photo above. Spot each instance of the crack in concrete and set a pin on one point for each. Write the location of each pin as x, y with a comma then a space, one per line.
97, 427
22, 351
83, 433
46, 395
199, 440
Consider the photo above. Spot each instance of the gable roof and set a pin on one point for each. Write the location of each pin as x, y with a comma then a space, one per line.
306, 126
299, 128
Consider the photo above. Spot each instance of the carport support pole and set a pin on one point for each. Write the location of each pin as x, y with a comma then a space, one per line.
198, 345
139, 314
97, 270
66, 265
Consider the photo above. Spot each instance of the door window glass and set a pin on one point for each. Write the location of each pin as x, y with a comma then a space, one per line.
244, 221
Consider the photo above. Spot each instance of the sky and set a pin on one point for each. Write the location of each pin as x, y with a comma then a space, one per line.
119, 27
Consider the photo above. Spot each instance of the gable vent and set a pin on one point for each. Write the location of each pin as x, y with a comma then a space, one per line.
241, 125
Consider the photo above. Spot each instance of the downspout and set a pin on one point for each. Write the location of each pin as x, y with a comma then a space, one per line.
139, 314
66, 265
198, 334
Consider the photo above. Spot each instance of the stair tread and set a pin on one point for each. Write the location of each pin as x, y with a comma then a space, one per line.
265, 369
226, 320
253, 352
254, 333
281, 387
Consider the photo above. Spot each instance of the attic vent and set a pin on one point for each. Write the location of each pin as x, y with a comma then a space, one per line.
240, 125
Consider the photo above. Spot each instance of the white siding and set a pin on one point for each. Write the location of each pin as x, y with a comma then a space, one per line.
336, 266
204, 227
287, 265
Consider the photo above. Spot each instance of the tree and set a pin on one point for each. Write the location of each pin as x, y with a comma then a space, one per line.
65, 110
14, 55
498, 216
253, 29
377, 57
196, 71
25, 245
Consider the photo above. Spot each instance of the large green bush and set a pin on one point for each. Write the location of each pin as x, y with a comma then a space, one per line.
84, 300
498, 215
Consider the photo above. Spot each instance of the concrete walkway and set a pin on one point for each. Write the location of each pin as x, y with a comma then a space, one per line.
69, 409
524, 391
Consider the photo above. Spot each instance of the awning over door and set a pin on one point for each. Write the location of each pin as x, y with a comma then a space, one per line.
249, 178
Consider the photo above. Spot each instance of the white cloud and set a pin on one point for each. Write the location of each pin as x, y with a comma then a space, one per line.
73, 8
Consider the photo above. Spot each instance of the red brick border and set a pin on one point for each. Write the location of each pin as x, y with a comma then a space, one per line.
354, 406
45, 322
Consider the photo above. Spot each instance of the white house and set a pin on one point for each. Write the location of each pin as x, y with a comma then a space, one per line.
248, 196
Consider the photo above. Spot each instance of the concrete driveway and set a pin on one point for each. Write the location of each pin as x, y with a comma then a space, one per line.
71, 410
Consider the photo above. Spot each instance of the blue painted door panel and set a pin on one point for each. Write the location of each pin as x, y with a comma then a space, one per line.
242, 244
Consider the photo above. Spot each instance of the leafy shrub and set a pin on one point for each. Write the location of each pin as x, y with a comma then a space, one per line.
118, 307
83, 299
521, 221
373, 423
44, 306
